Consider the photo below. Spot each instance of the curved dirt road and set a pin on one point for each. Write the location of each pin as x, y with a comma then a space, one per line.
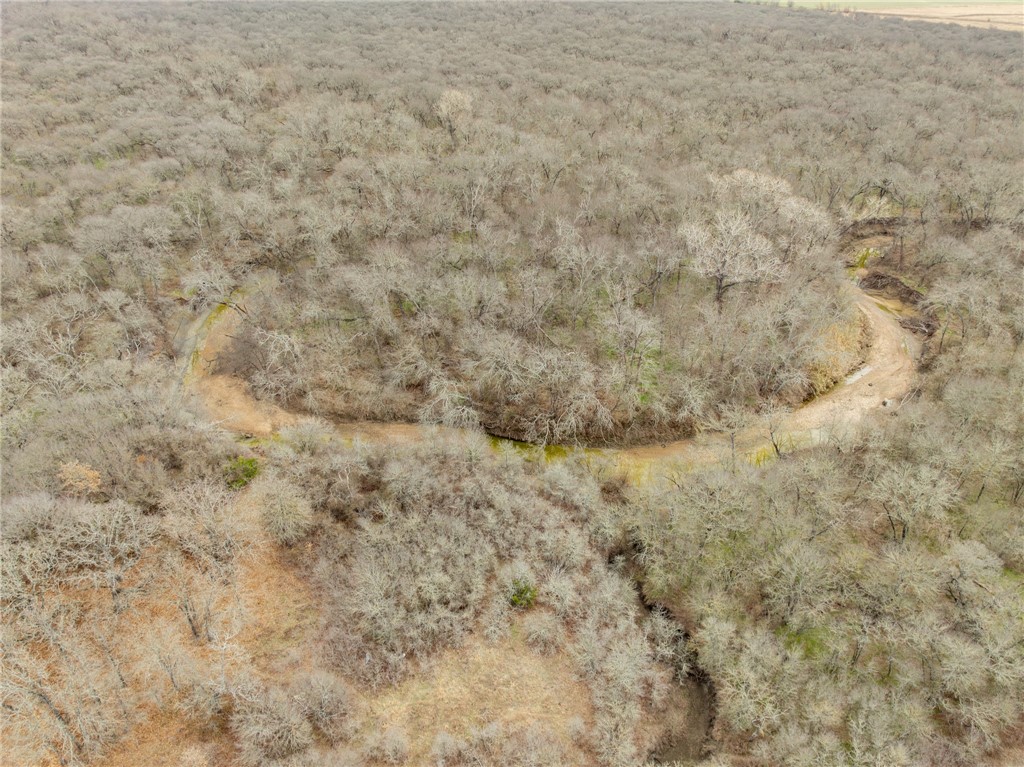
882, 381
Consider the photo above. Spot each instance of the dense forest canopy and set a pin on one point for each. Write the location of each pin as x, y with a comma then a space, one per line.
568, 224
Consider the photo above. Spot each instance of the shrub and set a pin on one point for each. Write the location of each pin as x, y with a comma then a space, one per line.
668, 642
79, 480
577, 730
239, 472
543, 631
327, 704
447, 750
199, 518
496, 619
390, 746
523, 595
309, 436
269, 725
559, 592
533, 746
286, 513
340, 757
202, 705
194, 756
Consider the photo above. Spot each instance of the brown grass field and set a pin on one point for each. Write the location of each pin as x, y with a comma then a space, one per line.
988, 15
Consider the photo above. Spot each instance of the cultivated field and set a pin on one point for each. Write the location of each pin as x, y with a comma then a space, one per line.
1003, 14
1009, 16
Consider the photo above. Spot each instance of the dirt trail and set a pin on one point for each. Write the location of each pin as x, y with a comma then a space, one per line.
882, 381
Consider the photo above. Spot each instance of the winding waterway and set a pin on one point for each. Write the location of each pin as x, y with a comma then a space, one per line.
882, 381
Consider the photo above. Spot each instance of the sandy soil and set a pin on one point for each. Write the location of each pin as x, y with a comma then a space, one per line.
225, 399
988, 16
229, 404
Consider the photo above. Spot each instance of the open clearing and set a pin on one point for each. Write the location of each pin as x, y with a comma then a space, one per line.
992, 15
988, 16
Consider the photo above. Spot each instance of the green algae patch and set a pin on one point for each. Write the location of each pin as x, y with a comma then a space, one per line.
530, 451
886, 309
860, 261
761, 456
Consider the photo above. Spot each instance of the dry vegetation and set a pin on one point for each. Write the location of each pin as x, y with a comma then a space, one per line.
569, 224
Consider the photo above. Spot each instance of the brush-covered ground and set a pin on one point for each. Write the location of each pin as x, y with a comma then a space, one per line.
576, 224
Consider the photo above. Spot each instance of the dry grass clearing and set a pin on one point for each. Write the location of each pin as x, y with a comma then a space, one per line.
985, 15
1002, 14
480, 683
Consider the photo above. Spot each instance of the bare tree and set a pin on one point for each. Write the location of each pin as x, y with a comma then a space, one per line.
730, 252
453, 108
